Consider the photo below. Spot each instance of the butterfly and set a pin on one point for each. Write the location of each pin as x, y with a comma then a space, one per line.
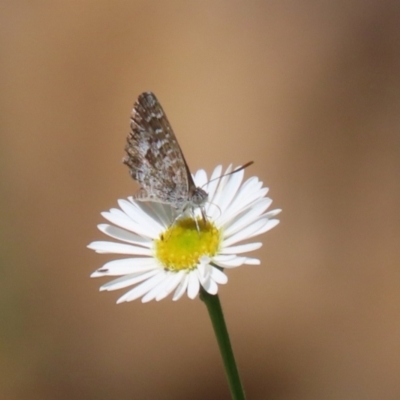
156, 161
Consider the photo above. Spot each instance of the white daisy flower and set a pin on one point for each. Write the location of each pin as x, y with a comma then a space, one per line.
168, 256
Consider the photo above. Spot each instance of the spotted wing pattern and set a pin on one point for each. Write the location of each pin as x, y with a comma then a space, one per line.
154, 157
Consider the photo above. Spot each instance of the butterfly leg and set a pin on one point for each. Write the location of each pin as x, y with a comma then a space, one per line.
203, 214
195, 220
173, 224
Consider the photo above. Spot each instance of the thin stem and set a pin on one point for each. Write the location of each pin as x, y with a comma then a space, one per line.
217, 318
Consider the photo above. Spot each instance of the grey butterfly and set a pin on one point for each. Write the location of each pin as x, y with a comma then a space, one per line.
156, 161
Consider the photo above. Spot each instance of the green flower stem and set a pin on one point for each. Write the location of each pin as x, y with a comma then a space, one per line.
217, 318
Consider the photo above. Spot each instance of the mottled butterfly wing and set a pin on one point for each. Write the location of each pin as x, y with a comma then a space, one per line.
155, 159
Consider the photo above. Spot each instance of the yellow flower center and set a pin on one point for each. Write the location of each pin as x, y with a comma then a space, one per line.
182, 245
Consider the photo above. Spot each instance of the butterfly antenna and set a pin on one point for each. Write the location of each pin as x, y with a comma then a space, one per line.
215, 205
203, 214
232, 172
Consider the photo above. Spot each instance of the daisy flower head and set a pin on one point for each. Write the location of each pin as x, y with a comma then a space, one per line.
171, 253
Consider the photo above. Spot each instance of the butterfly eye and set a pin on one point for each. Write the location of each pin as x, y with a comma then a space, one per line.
199, 197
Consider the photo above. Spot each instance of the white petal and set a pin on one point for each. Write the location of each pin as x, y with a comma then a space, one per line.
247, 217
127, 280
244, 248
143, 288
212, 186
203, 271
200, 178
236, 262
251, 185
246, 233
181, 289
272, 213
126, 266
174, 280
123, 235
162, 290
117, 217
118, 248
223, 257
194, 284
241, 203
162, 213
252, 261
218, 276
268, 226
231, 187
157, 290
218, 195
152, 227
210, 286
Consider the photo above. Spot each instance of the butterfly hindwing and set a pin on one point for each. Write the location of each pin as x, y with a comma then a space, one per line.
155, 158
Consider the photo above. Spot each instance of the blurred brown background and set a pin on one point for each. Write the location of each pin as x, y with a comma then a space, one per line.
308, 90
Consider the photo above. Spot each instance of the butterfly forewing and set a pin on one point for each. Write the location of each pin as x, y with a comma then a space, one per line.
155, 159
